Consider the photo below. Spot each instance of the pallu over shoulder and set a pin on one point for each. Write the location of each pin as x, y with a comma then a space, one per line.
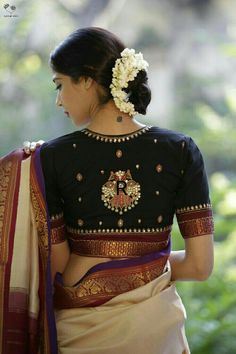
27, 323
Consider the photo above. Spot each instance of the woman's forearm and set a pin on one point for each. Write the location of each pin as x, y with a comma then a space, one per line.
183, 268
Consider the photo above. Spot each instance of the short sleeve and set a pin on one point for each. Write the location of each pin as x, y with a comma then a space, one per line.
192, 205
53, 196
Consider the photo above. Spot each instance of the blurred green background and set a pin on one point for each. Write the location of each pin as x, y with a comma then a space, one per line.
191, 48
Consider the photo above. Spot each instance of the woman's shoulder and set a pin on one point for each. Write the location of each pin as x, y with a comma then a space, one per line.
61, 142
168, 135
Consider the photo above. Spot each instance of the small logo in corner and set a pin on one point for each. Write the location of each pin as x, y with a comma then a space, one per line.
10, 9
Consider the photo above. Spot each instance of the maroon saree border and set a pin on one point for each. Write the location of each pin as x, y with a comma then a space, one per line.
10, 166
20, 332
99, 287
48, 334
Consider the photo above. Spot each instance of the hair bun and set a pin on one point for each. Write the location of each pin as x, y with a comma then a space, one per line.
140, 93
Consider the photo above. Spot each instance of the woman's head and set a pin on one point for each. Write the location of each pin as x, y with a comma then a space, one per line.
92, 53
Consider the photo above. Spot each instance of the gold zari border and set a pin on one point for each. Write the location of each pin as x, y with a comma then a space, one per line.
107, 248
101, 286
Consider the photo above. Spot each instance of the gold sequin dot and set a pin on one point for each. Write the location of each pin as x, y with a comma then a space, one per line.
100, 222
120, 222
80, 222
102, 172
137, 166
79, 177
182, 172
118, 153
159, 219
139, 221
80, 199
157, 192
74, 146
159, 168
155, 141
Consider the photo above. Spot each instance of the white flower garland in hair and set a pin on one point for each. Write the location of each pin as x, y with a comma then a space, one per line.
126, 69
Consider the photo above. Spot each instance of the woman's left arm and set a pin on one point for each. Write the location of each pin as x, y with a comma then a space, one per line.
195, 219
196, 261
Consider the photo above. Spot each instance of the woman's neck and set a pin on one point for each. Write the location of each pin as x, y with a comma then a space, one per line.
108, 120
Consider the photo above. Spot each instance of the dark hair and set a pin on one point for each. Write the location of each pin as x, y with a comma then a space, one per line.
92, 52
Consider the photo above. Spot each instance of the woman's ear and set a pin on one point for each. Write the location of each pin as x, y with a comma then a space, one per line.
88, 81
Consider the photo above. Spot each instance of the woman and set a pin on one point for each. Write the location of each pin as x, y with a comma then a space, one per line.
112, 190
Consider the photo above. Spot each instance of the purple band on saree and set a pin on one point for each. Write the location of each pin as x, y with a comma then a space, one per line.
124, 263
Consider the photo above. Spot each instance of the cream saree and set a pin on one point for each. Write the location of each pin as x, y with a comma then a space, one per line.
146, 320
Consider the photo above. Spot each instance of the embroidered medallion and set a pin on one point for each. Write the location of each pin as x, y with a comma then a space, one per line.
120, 193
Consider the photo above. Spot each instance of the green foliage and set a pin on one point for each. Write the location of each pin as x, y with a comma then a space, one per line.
211, 305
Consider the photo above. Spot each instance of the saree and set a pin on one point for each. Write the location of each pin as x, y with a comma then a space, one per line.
122, 306
127, 306
149, 319
27, 323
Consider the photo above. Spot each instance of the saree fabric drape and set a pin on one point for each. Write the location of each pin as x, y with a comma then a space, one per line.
27, 324
146, 320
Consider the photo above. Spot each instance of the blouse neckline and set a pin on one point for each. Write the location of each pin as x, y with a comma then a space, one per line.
115, 138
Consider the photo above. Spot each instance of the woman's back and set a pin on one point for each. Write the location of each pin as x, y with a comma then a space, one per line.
113, 197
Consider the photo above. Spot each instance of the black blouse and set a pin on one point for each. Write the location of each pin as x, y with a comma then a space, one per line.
126, 183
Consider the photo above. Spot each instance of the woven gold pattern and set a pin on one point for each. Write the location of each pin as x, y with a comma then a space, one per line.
101, 286
115, 248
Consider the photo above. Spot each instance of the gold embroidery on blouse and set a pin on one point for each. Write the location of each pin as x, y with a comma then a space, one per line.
118, 231
80, 222
160, 219
79, 177
159, 168
194, 207
115, 138
56, 217
120, 222
119, 153
120, 193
